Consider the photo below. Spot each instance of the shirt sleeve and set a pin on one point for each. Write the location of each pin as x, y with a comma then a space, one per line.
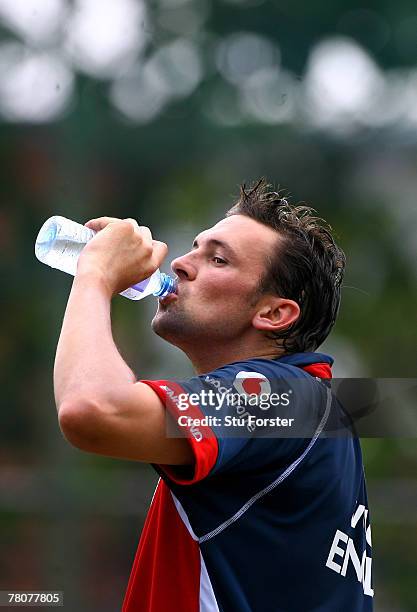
213, 412
203, 440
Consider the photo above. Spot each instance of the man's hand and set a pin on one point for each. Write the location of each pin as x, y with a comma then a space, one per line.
121, 254
101, 406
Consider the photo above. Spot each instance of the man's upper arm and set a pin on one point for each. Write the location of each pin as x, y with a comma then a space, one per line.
131, 424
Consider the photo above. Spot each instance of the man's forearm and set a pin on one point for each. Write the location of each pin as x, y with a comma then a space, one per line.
87, 362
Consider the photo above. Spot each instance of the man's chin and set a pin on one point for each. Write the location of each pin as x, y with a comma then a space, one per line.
164, 324
172, 325
158, 325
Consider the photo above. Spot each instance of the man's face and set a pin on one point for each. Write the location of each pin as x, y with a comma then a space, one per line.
217, 283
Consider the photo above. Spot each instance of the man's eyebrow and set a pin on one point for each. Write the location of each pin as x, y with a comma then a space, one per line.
219, 243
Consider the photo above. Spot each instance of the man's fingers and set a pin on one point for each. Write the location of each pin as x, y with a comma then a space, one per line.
100, 223
132, 222
160, 250
146, 233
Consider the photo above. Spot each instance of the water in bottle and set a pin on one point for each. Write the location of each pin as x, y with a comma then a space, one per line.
60, 242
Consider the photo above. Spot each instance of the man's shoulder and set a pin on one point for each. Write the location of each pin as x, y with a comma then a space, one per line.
300, 365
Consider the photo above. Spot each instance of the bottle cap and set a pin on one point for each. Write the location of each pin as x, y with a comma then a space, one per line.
168, 285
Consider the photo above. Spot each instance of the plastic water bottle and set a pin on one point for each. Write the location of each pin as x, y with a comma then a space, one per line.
60, 242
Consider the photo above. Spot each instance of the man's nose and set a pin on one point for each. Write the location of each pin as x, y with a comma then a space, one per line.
184, 267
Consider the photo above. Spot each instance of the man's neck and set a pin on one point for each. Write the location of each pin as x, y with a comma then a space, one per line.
210, 360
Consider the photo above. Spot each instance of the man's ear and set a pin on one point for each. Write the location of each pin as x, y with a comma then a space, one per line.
274, 314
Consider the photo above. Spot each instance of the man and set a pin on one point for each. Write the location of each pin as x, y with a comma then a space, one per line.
245, 522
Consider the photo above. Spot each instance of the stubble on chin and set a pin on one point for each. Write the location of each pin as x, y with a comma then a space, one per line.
173, 325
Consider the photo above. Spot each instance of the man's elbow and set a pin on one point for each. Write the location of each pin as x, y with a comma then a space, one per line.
77, 421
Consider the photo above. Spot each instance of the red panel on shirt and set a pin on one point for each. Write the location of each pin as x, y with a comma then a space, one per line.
166, 571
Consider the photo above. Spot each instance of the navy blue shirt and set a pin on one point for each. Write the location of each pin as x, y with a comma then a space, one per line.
272, 519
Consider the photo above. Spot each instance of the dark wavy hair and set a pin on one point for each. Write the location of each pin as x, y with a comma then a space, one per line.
307, 265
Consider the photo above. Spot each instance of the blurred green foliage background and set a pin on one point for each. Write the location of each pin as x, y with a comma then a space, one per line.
158, 111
